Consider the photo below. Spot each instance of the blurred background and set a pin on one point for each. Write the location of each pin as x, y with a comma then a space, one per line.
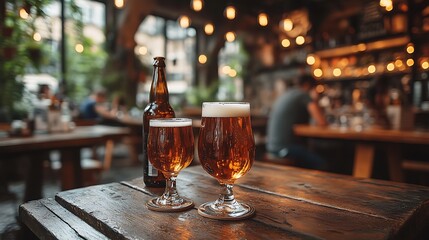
57, 54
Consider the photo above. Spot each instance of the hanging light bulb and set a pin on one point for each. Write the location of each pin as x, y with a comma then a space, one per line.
202, 59
311, 60
37, 37
263, 19
286, 24
184, 21
371, 68
300, 40
285, 43
384, 3
410, 48
197, 5
119, 3
230, 36
230, 12
318, 72
79, 48
23, 13
209, 29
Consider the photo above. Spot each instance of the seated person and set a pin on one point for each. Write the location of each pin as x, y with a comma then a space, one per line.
377, 100
294, 106
94, 107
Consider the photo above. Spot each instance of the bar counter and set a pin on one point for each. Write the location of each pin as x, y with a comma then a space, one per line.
366, 140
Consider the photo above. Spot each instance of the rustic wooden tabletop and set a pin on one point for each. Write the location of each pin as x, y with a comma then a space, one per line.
290, 203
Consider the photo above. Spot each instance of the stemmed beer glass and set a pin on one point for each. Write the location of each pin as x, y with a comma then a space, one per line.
170, 149
226, 149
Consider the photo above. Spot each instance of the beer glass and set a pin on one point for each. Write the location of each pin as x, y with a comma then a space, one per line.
170, 149
226, 149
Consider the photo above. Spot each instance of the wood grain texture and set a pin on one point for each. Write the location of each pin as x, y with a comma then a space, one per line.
48, 220
132, 220
290, 203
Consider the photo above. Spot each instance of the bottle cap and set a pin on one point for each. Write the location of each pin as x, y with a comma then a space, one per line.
159, 61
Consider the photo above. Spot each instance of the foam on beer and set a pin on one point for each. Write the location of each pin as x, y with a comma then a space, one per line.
219, 109
170, 122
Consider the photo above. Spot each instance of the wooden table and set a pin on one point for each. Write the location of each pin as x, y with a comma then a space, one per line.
69, 144
290, 203
393, 141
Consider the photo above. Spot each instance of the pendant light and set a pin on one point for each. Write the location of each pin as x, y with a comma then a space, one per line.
230, 12
184, 21
209, 28
263, 19
197, 5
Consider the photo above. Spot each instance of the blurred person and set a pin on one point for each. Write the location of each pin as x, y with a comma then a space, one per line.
377, 101
297, 105
44, 92
118, 106
39, 112
94, 106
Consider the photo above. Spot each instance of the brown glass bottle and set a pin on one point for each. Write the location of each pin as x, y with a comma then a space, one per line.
158, 107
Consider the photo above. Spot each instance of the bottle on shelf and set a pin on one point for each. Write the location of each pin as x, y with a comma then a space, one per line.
158, 107
54, 115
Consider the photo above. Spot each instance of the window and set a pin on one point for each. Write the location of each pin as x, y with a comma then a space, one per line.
159, 37
84, 44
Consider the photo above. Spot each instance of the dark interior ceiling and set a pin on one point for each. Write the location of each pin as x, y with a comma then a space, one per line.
247, 10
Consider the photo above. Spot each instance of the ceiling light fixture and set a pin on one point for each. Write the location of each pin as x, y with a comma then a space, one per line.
263, 19
230, 36
119, 3
209, 29
286, 24
230, 12
197, 5
202, 59
184, 21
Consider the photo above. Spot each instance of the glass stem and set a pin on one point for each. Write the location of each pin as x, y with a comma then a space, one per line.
170, 188
227, 195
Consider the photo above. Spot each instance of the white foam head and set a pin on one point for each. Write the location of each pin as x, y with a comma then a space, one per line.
226, 109
170, 122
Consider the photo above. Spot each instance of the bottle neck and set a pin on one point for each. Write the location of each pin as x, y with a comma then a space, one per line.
159, 90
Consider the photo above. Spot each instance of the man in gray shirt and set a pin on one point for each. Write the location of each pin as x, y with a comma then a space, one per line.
295, 106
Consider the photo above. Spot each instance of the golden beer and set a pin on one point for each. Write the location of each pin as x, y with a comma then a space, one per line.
170, 145
226, 146
170, 148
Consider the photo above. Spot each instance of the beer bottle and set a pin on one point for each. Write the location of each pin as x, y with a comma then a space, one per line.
158, 107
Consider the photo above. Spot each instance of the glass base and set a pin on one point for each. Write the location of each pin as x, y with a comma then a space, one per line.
162, 205
234, 211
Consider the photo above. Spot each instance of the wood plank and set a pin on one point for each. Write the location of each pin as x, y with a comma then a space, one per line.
371, 197
48, 224
120, 212
290, 215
